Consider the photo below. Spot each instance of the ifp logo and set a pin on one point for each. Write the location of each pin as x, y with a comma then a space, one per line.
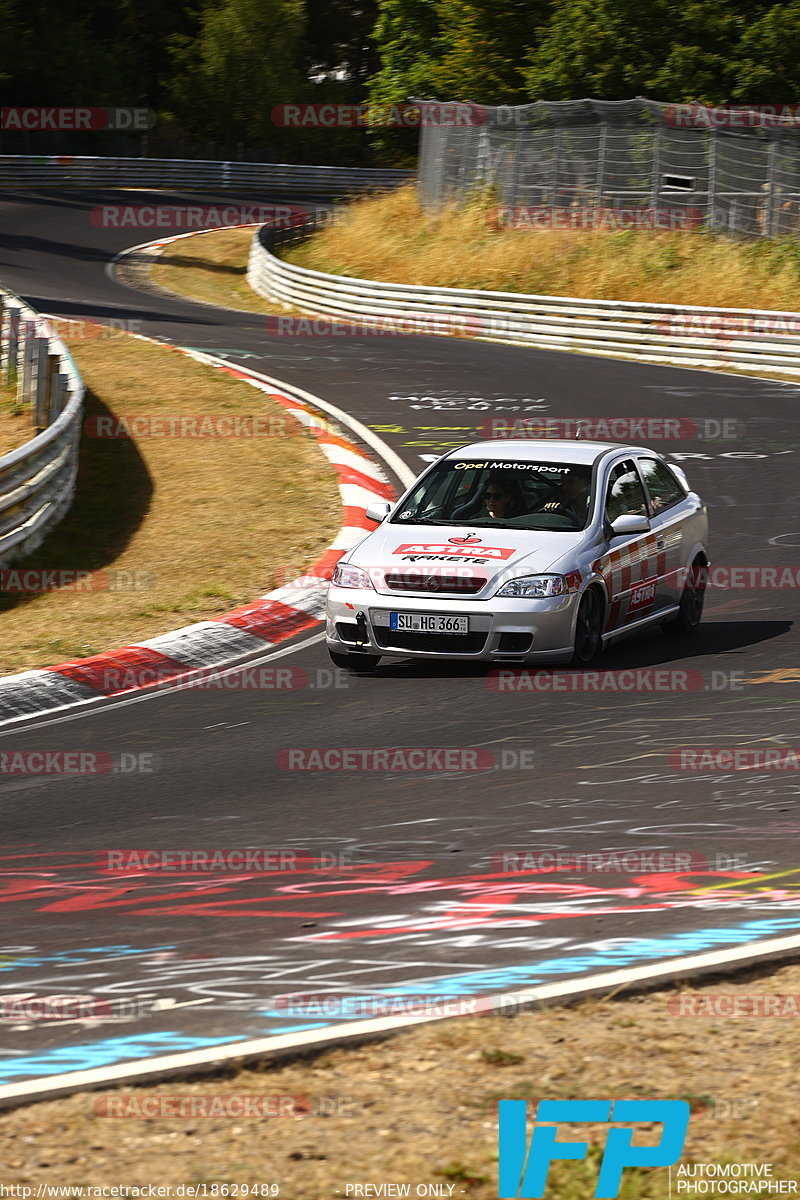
523, 1172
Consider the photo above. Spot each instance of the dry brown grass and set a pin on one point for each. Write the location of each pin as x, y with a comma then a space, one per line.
15, 421
421, 1107
211, 267
208, 523
391, 238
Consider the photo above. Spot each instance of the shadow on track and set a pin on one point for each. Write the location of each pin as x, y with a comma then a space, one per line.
639, 651
112, 497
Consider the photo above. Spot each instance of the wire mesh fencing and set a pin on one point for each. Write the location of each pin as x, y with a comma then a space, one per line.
621, 164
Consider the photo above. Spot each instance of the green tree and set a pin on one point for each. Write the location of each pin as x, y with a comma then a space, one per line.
485, 45
616, 49
408, 35
242, 64
59, 54
768, 64
455, 49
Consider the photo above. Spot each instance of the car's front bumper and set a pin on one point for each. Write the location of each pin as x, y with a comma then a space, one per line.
500, 630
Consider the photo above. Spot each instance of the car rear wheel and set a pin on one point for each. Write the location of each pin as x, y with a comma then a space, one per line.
588, 629
690, 605
359, 664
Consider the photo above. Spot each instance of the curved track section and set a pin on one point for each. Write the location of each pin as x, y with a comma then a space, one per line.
409, 882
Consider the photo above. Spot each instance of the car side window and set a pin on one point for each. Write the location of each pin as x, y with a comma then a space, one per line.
625, 493
662, 485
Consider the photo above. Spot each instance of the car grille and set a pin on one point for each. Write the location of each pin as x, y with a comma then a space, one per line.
436, 584
439, 643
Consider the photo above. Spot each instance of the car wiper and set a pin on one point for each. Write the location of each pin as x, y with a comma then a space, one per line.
430, 521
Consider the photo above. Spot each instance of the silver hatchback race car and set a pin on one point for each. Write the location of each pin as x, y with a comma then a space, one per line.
523, 551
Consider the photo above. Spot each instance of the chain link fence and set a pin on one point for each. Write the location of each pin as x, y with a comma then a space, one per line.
618, 164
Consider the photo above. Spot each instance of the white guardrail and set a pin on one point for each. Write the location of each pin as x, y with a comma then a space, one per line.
37, 479
59, 171
750, 339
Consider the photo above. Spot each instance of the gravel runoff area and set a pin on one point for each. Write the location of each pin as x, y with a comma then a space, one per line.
420, 1108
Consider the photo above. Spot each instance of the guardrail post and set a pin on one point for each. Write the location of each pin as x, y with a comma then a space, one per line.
39, 382
52, 365
600, 178
772, 161
39, 367
556, 164
58, 392
712, 178
25, 377
9, 345
655, 190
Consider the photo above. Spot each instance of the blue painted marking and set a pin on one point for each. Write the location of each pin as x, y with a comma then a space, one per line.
279, 1029
674, 946
506, 978
101, 1054
82, 955
136, 1047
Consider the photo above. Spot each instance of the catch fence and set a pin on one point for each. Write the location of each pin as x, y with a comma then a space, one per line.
619, 164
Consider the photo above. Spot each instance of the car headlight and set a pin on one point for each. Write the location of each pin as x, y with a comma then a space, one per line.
535, 586
350, 577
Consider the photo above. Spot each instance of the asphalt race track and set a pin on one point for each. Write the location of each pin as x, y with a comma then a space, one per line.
401, 880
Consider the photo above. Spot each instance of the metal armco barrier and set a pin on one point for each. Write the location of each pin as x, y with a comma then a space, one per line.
31, 171
37, 480
751, 339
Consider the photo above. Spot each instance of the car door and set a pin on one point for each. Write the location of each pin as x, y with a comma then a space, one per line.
629, 565
669, 510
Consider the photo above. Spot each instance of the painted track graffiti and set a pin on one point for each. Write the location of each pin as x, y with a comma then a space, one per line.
406, 927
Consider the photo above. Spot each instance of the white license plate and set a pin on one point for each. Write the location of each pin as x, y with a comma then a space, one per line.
428, 623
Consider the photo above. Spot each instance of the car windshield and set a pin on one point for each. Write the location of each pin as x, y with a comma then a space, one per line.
516, 495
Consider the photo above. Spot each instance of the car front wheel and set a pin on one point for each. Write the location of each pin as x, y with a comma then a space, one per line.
588, 629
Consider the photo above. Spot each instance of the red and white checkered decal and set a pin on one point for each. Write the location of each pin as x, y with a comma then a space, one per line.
634, 569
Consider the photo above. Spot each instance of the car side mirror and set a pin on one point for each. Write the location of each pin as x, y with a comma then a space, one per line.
378, 511
630, 523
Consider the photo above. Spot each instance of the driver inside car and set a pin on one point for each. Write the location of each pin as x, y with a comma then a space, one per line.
571, 496
502, 499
